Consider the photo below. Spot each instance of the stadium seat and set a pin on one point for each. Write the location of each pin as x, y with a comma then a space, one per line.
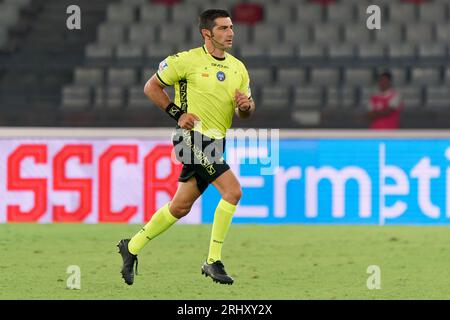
252, 51
340, 13
425, 76
433, 12
438, 97
146, 74
266, 33
412, 96
276, 14
365, 51
419, 33
296, 33
281, 51
109, 97
308, 51
166, 2
353, 33
401, 12
99, 51
185, 14
142, 33
260, 76
247, 13
121, 76
89, 76
111, 33
447, 76
399, 76
358, 77
120, 13
365, 94
228, 4
325, 77
341, 50
340, 97
401, 50
197, 40
323, 2
308, 98
76, 97
202, 5
172, 34
153, 14
134, 3
9, 14
129, 51
291, 76
159, 51
274, 97
443, 33
19, 3
308, 14
432, 50
137, 98
327, 34
389, 34
3, 36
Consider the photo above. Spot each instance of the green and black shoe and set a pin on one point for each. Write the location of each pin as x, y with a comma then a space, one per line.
216, 271
128, 261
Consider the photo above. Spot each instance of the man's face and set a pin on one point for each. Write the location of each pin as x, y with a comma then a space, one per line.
384, 83
223, 32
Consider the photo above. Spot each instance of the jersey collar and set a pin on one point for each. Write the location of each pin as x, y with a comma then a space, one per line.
215, 58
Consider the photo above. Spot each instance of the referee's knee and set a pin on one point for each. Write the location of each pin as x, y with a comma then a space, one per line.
232, 195
179, 210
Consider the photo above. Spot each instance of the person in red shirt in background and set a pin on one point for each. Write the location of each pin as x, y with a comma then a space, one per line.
385, 106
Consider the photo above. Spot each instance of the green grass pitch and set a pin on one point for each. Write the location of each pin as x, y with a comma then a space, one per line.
267, 262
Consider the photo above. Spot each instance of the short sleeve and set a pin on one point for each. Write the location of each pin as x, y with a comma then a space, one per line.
245, 84
172, 69
395, 101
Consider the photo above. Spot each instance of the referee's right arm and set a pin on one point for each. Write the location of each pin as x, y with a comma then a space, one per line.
154, 90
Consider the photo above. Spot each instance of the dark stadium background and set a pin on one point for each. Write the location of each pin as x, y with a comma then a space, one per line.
312, 65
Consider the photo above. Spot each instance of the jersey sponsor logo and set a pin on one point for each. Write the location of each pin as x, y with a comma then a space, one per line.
218, 65
183, 95
220, 76
204, 74
163, 66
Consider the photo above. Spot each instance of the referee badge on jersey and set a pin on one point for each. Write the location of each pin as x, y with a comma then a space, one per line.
220, 76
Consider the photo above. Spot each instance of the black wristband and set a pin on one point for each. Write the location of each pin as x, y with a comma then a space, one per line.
174, 111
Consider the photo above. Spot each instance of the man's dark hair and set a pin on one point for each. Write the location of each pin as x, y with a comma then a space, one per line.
207, 17
386, 74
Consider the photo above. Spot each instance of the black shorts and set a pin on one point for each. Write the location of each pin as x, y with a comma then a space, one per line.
201, 156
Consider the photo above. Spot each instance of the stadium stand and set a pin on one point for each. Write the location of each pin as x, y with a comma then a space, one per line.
301, 55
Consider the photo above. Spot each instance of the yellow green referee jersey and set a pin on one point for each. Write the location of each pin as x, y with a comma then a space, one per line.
205, 86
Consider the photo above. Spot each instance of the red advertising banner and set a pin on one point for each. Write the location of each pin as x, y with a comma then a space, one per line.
86, 180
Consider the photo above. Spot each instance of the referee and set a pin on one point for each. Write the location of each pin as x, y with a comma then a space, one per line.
210, 86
